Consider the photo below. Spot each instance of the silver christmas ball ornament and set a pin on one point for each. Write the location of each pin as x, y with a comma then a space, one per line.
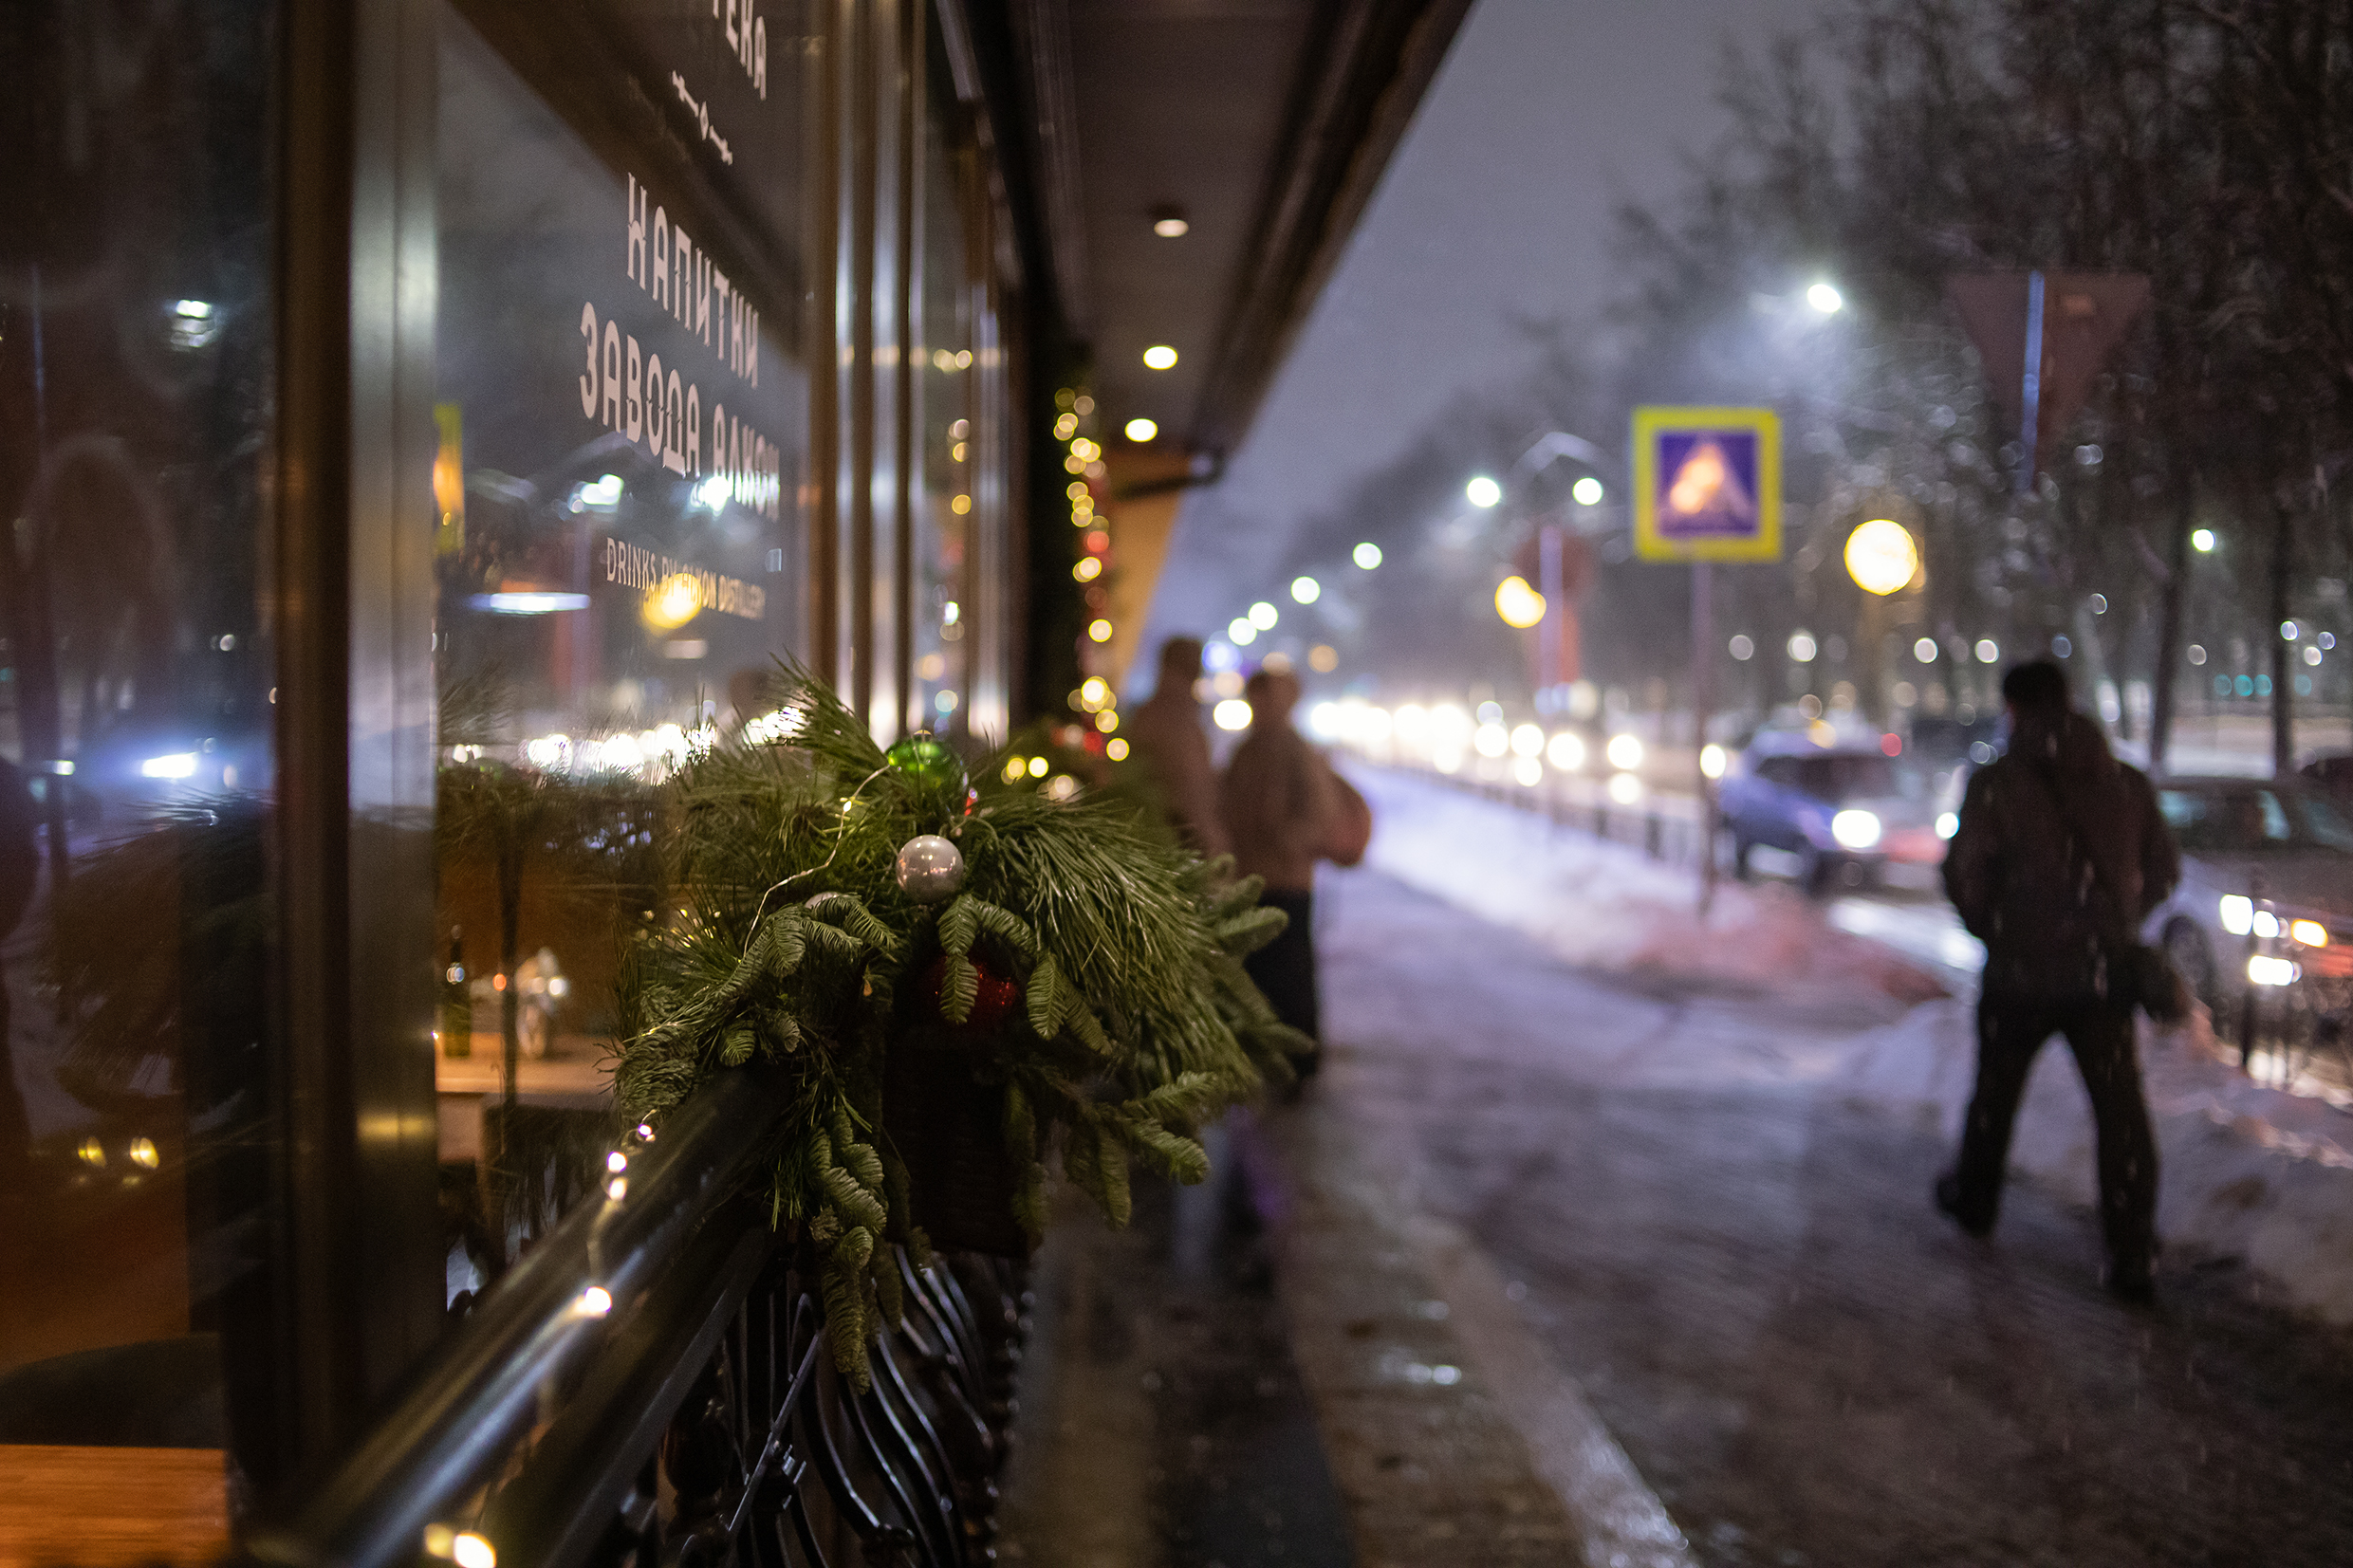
930, 868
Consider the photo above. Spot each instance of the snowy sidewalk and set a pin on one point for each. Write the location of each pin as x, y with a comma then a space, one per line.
2250, 1172
1709, 1203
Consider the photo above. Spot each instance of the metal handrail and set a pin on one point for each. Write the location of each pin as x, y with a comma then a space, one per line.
579, 1288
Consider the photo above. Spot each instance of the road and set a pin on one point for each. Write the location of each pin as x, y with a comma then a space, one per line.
1740, 1266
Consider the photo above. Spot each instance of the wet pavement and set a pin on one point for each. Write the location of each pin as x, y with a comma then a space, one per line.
1163, 1423
1741, 1269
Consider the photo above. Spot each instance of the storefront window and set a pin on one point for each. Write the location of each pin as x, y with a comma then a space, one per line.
950, 442
136, 758
621, 558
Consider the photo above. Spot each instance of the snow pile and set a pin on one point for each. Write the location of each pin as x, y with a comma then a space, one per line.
1606, 905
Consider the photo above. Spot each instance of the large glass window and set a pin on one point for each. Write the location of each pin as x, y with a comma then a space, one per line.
948, 432
621, 552
137, 759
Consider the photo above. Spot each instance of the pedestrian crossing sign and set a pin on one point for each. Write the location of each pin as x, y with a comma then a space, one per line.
1707, 484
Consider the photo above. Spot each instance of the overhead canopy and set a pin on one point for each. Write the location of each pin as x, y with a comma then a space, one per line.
1263, 125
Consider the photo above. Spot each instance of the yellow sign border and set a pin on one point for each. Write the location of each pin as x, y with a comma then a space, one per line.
1649, 423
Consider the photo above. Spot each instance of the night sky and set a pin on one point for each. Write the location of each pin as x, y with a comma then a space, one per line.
1498, 209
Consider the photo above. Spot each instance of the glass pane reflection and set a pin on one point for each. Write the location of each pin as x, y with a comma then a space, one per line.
619, 549
136, 742
951, 443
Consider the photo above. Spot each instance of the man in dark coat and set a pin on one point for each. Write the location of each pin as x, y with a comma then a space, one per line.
2060, 855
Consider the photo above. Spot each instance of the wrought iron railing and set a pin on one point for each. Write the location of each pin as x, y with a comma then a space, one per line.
652, 1384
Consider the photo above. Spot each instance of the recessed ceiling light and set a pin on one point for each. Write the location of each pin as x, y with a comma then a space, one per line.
1169, 222
1159, 357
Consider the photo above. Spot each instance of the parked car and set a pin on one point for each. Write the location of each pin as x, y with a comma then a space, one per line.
1844, 809
2266, 900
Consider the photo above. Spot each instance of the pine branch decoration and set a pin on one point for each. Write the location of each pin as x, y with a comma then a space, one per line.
791, 942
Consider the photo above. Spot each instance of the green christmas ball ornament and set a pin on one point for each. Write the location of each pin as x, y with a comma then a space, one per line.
928, 760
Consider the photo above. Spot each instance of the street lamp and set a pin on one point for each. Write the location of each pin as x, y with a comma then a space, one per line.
1588, 492
1483, 491
1881, 558
1520, 605
1825, 299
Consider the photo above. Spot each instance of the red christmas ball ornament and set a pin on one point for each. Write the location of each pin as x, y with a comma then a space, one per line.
993, 999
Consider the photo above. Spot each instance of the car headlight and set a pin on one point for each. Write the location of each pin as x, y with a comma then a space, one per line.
2238, 913
2265, 971
1855, 829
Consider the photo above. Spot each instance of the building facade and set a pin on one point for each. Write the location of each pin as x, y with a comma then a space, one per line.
405, 400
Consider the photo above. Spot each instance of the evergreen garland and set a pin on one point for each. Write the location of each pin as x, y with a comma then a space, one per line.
794, 944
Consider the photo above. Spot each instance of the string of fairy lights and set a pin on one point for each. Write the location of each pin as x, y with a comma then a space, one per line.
1082, 459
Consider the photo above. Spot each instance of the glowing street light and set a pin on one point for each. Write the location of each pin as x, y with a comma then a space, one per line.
1366, 555
1825, 300
1262, 615
1586, 491
1142, 430
1881, 558
1520, 605
1159, 357
2202, 540
1307, 590
1483, 491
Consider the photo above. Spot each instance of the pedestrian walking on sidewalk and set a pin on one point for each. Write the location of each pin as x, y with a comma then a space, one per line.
1166, 732
2061, 854
1285, 810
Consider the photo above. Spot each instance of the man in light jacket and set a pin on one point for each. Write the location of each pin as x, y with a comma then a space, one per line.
1282, 805
2061, 854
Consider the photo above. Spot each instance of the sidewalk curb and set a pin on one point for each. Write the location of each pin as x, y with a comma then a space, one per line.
1451, 1434
1620, 1521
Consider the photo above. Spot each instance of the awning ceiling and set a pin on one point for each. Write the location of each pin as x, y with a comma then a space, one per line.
1265, 124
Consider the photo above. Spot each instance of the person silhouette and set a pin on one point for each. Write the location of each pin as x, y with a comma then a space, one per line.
1283, 806
1166, 732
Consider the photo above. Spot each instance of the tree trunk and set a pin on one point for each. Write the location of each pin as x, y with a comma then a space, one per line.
2161, 692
